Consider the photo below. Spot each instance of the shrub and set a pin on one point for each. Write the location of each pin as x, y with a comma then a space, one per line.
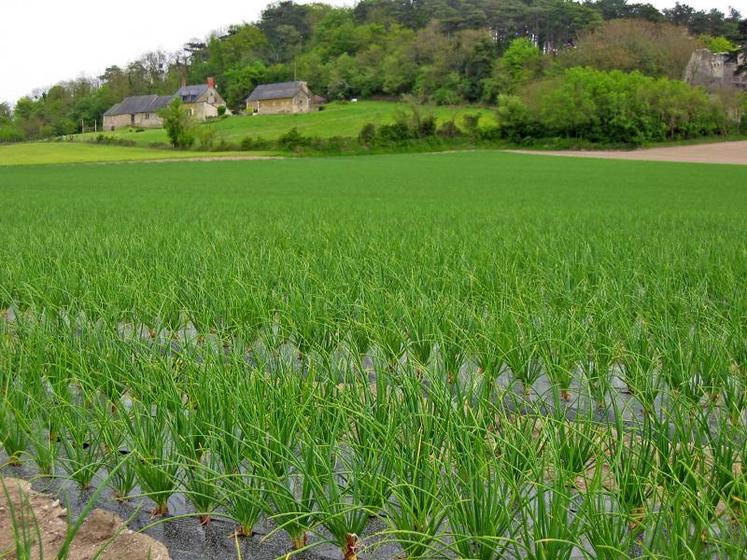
206, 136
334, 144
292, 140
448, 129
491, 133
224, 146
472, 124
717, 44
178, 125
112, 140
426, 126
419, 125
612, 107
513, 117
394, 133
367, 135
250, 144
446, 96
221, 110
10, 134
247, 144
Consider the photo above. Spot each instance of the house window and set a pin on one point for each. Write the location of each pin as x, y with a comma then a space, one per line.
147, 116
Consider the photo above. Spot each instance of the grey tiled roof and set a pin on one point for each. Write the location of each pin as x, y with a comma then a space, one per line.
114, 110
139, 104
190, 94
280, 90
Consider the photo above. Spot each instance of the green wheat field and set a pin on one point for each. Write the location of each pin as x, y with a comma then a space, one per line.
472, 355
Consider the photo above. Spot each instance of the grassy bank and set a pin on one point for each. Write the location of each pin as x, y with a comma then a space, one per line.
337, 119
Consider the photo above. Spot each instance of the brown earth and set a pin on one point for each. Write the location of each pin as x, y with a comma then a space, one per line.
719, 152
101, 529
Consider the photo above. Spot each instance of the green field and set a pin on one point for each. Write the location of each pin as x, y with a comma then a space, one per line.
337, 119
38, 153
503, 353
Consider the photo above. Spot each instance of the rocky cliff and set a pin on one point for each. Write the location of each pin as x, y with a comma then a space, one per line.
715, 71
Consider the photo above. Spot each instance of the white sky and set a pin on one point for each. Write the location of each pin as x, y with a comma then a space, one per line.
46, 41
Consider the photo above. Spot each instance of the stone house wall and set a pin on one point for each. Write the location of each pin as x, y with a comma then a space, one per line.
148, 120
300, 103
201, 110
206, 107
116, 121
138, 120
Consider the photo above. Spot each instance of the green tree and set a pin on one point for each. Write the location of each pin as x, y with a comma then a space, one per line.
239, 82
244, 45
630, 44
8, 131
513, 117
521, 62
718, 44
627, 108
5, 113
178, 124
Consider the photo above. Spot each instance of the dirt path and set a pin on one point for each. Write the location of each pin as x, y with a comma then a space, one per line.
45, 519
183, 159
719, 152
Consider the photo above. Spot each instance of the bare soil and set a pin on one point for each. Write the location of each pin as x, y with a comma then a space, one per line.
719, 152
46, 518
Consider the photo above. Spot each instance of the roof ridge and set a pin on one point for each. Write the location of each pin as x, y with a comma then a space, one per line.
134, 104
276, 90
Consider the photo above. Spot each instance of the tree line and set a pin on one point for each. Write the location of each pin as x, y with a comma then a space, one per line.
443, 51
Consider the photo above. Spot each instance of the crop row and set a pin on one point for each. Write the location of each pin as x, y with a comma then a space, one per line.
452, 462
697, 361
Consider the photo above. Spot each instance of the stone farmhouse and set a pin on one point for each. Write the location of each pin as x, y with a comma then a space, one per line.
282, 97
139, 111
202, 102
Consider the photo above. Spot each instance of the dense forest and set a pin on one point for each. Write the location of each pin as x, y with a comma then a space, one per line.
442, 51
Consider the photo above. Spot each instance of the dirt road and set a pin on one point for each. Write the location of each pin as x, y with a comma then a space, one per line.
719, 152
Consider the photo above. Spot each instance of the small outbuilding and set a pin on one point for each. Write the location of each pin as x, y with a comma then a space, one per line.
281, 97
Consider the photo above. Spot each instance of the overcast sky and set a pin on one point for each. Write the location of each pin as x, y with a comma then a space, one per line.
46, 41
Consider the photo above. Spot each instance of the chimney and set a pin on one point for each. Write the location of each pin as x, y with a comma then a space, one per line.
211, 82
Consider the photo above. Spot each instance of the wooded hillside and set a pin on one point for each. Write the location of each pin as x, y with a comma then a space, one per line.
443, 51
